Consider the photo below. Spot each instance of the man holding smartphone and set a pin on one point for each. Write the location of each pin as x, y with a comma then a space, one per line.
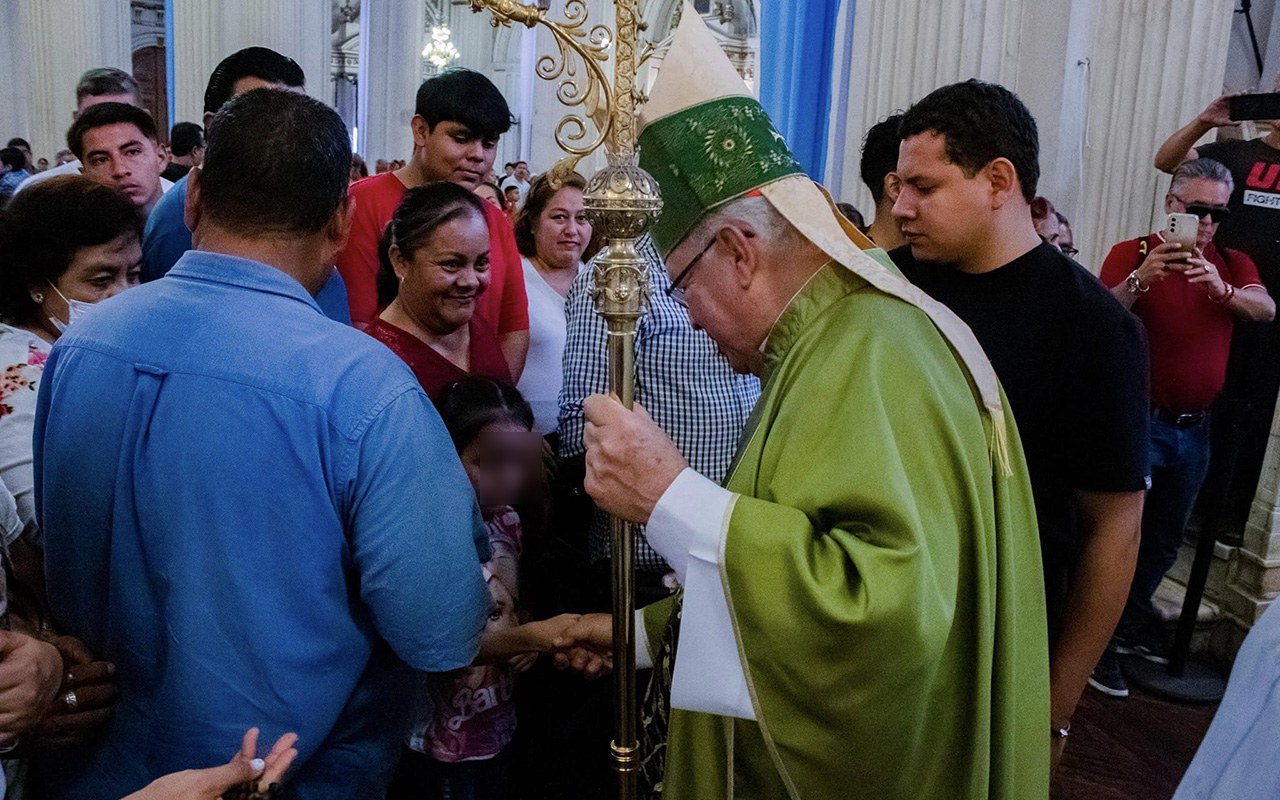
1188, 300
1253, 228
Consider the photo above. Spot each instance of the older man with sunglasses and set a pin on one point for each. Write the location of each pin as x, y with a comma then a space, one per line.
1189, 302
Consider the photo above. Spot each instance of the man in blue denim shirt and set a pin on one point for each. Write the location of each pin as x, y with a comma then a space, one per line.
253, 511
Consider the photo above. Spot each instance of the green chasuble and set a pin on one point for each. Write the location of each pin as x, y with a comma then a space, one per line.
883, 578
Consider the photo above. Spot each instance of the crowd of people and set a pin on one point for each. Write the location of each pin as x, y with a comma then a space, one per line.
294, 452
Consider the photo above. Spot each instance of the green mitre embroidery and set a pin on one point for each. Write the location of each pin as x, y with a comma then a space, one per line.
705, 156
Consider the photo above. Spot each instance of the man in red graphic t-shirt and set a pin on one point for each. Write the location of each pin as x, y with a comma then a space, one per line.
1189, 303
458, 117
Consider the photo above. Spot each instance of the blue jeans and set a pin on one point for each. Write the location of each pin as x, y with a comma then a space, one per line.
1179, 462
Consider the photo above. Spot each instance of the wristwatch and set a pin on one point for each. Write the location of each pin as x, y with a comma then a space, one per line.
1135, 284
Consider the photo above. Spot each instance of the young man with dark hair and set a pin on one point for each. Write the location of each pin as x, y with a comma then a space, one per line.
879, 162
248, 69
25, 147
12, 172
459, 117
186, 143
291, 524
167, 236
100, 85
116, 143
1072, 361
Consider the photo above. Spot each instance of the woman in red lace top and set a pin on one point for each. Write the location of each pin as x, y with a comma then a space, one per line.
435, 264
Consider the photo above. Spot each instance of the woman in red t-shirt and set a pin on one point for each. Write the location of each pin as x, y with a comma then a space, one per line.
435, 266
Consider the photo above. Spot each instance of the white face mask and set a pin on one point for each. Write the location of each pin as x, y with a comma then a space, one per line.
76, 311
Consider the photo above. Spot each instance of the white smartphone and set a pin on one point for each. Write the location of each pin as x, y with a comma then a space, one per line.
1182, 229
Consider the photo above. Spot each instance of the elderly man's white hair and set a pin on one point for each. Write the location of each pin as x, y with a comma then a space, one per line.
758, 212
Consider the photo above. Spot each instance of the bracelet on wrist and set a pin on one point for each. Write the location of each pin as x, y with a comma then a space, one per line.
1135, 284
1060, 732
1226, 296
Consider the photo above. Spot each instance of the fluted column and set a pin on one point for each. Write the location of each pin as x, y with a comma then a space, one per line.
15, 112
51, 43
391, 40
207, 31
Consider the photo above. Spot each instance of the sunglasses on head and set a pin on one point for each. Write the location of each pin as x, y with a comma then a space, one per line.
1202, 210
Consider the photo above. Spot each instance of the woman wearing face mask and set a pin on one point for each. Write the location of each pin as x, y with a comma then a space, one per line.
552, 233
65, 245
435, 263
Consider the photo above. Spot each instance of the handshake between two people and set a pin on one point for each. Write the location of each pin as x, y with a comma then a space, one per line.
580, 642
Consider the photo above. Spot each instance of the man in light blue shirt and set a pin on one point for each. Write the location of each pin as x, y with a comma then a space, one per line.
254, 512
167, 236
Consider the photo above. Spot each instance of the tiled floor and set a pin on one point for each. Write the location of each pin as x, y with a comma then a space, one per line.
1131, 749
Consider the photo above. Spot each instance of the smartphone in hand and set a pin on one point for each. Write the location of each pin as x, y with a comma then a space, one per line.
1254, 106
1182, 229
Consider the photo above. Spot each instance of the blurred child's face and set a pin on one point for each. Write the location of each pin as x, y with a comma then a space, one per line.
503, 612
501, 463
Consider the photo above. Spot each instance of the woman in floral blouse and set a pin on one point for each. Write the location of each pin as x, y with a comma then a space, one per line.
65, 245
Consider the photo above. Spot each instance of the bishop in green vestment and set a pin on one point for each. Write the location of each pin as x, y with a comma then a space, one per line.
863, 611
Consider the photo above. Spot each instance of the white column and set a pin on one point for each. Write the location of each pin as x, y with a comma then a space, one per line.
207, 31
391, 40
15, 111
51, 43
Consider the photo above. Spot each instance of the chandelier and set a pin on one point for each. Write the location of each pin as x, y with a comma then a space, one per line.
440, 50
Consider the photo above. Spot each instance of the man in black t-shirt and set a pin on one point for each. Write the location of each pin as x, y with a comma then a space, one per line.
1071, 360
1243, 422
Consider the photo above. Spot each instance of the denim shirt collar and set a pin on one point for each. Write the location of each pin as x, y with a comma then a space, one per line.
241, 272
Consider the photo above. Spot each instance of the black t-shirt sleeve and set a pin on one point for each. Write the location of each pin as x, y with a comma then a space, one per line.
1107, 417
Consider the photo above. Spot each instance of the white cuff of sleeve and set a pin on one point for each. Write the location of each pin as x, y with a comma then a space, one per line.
687, 520
686, 528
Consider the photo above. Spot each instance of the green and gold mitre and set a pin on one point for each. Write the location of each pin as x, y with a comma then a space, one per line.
703, 136
708, 142
708, 155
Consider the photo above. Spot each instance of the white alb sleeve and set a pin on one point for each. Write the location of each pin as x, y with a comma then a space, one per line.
687, 527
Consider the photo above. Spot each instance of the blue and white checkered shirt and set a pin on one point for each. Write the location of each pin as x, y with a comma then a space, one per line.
681, 379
